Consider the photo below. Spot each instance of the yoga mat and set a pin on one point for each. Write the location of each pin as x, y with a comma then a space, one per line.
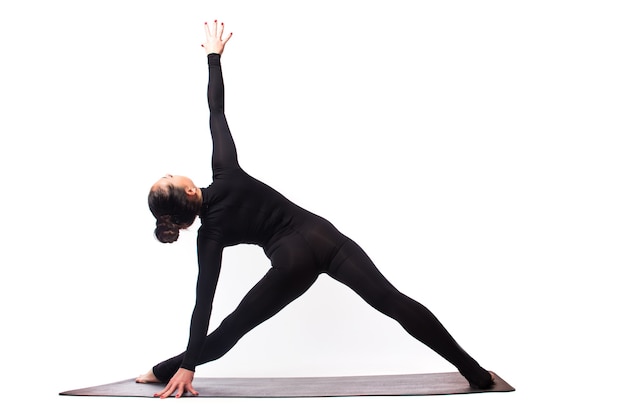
338, 386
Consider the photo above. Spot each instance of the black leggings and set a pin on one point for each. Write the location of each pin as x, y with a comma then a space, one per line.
295, 267
309, 247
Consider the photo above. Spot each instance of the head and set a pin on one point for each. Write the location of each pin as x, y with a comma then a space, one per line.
175, 202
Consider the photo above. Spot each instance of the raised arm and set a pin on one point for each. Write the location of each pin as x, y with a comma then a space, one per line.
224, 151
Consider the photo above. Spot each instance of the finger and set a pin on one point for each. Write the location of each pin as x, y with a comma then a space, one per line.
160, 393
207, 31
169, 392
215, 27
183, 388
221, 31
169, 389
164, 394
228, 37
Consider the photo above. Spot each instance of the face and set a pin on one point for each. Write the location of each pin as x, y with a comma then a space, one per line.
178, 181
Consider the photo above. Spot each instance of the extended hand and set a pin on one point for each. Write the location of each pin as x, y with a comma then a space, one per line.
180, 383
214, 43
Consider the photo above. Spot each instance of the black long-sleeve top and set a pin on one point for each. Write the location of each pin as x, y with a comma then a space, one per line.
236, 208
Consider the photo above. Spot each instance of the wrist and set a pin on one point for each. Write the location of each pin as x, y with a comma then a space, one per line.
213, 58
187, 368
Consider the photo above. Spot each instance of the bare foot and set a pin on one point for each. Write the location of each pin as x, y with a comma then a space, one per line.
147, 378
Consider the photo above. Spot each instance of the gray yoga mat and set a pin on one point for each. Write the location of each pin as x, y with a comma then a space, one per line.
338, 386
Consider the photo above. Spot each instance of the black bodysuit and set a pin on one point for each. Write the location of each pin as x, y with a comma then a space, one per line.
301, 245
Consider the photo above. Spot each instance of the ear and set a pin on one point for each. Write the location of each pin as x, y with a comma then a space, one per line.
190, 191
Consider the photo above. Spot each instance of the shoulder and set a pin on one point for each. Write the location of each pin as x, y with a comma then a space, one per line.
209, 236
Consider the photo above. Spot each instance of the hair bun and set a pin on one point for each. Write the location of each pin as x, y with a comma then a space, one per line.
166, 230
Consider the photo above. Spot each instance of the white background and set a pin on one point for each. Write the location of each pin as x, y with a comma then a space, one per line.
474, 149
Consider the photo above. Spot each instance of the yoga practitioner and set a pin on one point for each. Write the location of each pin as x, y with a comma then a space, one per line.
236, 208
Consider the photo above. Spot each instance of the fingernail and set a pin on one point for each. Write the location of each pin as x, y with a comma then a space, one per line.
205, 23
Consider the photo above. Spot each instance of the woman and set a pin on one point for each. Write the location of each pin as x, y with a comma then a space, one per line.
237, 208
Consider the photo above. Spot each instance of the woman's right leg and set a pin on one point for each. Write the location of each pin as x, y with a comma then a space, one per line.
354, 268
292, 274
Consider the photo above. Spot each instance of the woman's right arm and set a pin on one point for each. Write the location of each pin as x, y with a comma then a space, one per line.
224, 151
209, 265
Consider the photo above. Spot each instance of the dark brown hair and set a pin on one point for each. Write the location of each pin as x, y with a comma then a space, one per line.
173, 210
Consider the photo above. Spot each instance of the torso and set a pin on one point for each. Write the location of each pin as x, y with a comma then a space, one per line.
238, 208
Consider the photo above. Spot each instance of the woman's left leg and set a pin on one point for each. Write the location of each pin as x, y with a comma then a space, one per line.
352, 267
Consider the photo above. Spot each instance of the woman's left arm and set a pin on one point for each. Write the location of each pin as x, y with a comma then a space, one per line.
224, 150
